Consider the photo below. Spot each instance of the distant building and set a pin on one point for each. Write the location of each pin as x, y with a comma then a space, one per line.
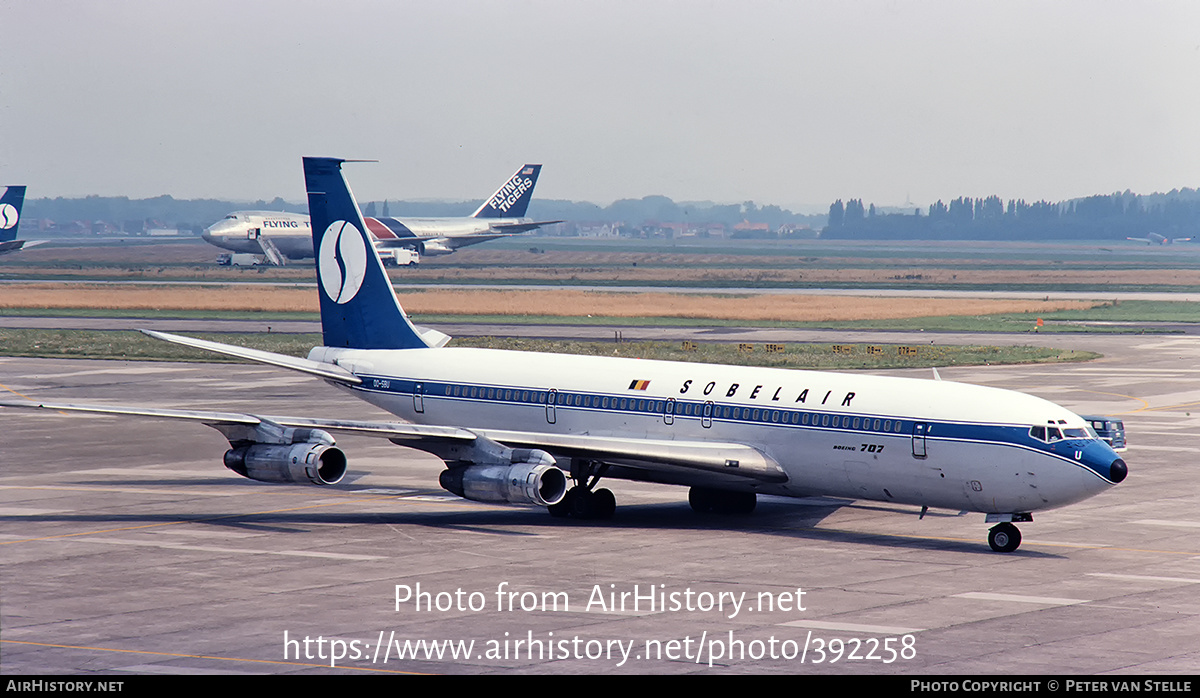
597, 230
748, 229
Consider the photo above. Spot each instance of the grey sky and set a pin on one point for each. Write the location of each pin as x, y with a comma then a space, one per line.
779, 102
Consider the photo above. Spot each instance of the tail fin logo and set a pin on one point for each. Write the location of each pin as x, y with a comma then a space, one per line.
342, 261
9, 216
508, 195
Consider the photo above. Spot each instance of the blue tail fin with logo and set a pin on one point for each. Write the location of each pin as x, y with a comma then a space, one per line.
10, 212
512, 199
359, 309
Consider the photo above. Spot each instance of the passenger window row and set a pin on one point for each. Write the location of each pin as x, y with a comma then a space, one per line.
677, 408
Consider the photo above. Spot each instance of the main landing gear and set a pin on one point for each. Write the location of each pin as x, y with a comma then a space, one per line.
704, 501
583, 501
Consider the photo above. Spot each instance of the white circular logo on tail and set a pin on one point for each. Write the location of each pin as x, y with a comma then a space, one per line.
8, 216
342, 261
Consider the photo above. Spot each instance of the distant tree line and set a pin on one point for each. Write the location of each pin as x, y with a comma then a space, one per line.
1175, 214
134, 215
195, 215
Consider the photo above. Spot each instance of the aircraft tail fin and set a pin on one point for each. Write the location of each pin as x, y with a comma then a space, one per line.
512, 199
10, 212
359, 309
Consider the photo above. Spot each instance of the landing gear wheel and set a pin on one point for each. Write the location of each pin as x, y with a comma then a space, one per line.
701, 500
1004, 537
580, 503
562, 509
741, 503
604, 504
704, 501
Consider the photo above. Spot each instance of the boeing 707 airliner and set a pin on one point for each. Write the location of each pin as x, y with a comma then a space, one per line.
545, 429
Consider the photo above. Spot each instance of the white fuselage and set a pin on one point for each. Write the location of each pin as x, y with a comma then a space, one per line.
922, 442
291, 233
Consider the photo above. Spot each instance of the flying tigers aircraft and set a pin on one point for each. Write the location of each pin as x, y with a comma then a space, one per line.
1156, 239
280, 236
521, 427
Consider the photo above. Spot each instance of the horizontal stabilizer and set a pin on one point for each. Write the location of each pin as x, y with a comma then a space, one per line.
514, 228
315, 368
432, 337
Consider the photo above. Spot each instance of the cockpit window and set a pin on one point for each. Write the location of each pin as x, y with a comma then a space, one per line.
1052, 434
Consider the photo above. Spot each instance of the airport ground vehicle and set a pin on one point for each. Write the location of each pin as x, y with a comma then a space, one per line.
1111, 431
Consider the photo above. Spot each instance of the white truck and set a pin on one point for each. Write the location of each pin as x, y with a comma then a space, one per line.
399, 256
240, 259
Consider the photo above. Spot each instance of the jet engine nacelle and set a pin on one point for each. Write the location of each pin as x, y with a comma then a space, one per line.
537, 482
432, 248
318, 463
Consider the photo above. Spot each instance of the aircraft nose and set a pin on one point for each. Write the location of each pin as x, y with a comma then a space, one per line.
219, 230
1117, 470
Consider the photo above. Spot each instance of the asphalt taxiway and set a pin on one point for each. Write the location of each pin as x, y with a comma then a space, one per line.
126, 547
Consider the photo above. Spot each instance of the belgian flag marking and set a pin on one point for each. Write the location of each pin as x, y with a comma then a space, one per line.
639, 385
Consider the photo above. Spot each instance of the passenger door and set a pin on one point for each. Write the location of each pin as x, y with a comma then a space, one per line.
920, 430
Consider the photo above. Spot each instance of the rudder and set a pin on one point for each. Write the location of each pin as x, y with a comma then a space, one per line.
10, 212
512, 199
359, 308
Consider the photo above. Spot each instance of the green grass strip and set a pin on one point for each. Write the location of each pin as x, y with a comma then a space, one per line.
95, 344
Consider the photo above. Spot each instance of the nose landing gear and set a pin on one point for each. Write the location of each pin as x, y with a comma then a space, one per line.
1004, 537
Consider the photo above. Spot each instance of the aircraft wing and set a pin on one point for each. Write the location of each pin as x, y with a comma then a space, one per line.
496, 230
443, 243
230, 423
728, 460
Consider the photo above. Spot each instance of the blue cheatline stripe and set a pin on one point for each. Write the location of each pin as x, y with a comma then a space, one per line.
397, 227
863, 425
